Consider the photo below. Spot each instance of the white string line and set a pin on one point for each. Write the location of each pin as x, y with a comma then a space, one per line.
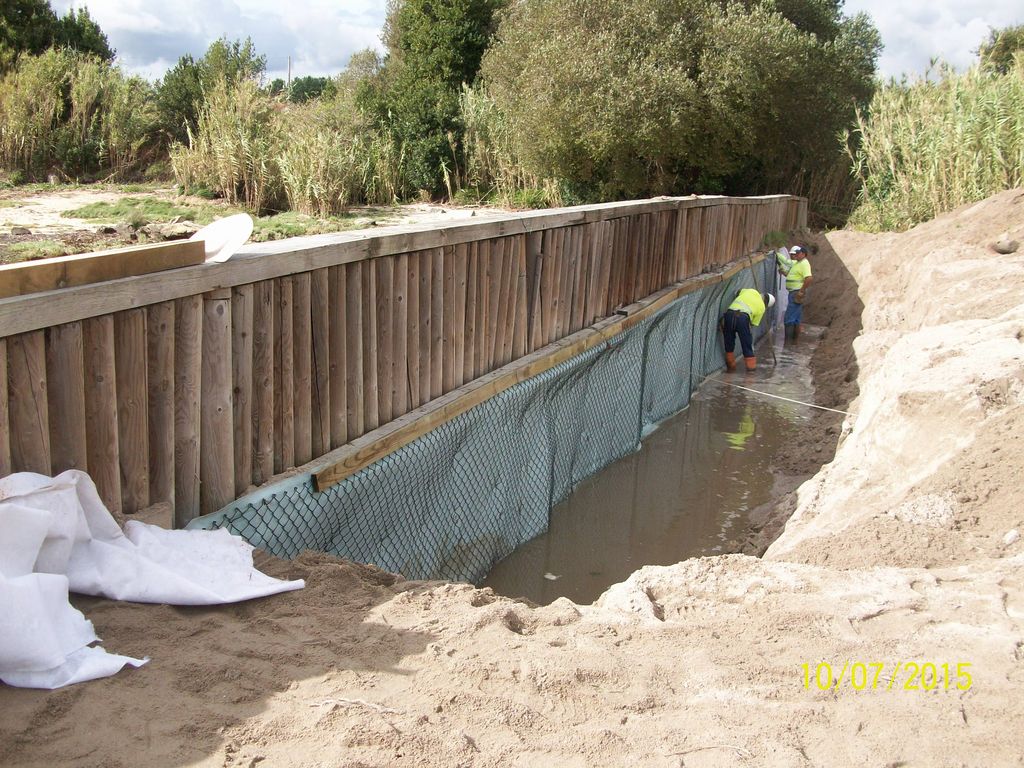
780, 397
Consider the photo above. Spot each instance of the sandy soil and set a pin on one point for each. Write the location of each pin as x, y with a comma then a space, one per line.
901, 549
42, 213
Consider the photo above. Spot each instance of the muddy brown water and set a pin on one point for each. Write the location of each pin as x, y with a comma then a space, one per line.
687, 492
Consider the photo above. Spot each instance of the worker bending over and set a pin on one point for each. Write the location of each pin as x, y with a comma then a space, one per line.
741, 316
797, 270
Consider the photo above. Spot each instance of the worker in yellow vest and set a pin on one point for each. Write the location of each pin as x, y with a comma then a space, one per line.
797, 270
741, 316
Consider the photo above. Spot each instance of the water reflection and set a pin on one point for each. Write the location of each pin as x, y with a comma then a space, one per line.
686, 492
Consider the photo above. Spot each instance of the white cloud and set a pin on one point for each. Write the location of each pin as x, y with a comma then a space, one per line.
916, 31
319, 35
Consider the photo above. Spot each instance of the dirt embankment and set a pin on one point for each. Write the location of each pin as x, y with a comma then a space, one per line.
902, 549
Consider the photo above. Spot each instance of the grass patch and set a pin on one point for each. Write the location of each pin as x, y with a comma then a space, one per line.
36, 249
291, 224
136, 210
11, 203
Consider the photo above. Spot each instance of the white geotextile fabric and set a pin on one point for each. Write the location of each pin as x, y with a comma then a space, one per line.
56, 535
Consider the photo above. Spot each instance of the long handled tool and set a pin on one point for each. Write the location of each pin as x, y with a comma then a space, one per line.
771, 325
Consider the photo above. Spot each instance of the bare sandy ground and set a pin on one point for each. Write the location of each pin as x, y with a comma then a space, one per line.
43, 213
901, 552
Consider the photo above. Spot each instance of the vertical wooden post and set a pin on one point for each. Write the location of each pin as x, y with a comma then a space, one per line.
303, 363
459, 315
472, 286
321, 319
400, 341
412, 352
436, 322
563, 256
188, 333
483, 280
448, 319
426, 264
263, 381
508, 308
607, 253
500, 287
30, 427
160, 379
579, 254
5, 419
547, 300
65, 376
242, 354
520, 336
385, 278
130, 346
371, 402
337, 290
101, 408
217, 454
534, 308
354, 350
284, 375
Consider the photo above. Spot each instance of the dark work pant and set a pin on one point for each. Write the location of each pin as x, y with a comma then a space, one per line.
735, 324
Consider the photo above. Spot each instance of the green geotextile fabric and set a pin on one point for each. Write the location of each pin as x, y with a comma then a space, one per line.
455, 501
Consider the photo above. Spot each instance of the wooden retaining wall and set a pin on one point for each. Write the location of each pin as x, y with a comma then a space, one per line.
190, 385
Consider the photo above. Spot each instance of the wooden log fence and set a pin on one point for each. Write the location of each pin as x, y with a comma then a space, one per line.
190, 385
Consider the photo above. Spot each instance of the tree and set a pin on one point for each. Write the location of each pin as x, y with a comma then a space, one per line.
998, 50
31, 26
181, 93
178, 97
433, 47
644, 97
233, 61
305, 88
77, 30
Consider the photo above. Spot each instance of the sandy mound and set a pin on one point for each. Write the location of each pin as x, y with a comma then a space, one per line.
900, 551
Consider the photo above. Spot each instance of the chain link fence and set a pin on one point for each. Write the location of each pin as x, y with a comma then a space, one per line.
455, 501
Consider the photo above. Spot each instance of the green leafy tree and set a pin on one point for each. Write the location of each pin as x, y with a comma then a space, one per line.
620, 99
25, 26
231, 61
433, 47
178, 97
78, 30
998, 50
305, 88
31, 26
182, 92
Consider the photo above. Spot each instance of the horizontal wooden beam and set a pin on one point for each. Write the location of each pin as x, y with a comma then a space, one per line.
28, 277
264, 261
344, 462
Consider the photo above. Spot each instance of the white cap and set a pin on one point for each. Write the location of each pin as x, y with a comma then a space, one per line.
771, 301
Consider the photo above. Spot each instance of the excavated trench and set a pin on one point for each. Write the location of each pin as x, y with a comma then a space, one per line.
690, 489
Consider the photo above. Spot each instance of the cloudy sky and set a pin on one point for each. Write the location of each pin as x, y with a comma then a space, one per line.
320, 35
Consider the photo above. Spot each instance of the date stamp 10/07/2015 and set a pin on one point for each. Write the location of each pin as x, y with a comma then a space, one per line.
879, 676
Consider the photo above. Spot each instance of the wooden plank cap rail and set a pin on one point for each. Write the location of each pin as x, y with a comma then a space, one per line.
85, 268
373, 446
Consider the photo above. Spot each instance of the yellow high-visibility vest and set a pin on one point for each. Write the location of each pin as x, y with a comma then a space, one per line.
751, 302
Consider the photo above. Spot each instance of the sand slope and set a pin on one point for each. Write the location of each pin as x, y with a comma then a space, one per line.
899, 550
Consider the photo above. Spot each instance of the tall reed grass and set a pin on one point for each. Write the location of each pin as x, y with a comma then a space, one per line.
930, 145
256, 150
64, 111
493, 164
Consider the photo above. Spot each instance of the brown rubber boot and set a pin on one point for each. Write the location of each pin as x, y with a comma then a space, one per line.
751, 363
796, 331
730, 361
